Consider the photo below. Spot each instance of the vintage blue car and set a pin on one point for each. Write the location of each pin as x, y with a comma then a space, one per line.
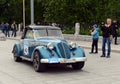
44, 45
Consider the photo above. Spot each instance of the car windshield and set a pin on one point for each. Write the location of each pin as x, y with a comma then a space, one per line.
49, 33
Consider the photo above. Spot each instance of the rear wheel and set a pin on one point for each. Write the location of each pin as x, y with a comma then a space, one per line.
38, 66
78, 65
15, 55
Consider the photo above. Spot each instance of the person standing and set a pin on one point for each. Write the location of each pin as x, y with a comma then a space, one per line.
95, 37
115, 31
14, 29
7, 29
2, 26
21, 27
107, 32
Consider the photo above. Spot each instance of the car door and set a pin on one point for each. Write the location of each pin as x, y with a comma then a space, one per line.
27, 51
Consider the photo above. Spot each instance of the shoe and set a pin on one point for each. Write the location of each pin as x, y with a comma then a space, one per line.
90, 52
108, 57
102, 56
116, 44
95, 52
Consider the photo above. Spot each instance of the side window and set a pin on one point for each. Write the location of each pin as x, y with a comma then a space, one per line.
37, 33
29, 34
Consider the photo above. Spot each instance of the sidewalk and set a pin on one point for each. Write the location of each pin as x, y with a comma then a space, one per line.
83, 38
87, 45
83, 43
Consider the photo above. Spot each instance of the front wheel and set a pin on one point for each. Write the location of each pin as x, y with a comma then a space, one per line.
15, 55
38, 66
78, 65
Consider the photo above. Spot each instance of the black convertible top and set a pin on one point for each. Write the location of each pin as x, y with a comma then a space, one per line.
41, 27
32, 27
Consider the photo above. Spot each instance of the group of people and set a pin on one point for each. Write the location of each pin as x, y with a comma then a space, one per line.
5, 27
109, 32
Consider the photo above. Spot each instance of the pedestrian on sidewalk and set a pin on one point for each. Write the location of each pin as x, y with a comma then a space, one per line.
107, 34
7, 29
2, 27
14, 29
21, 27
115, 31
95, 37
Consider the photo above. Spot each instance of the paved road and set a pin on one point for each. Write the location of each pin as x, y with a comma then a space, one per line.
96, 71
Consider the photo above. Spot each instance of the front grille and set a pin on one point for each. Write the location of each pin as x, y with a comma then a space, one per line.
64, 50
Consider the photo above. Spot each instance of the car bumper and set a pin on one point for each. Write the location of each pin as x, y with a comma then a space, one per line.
63, 60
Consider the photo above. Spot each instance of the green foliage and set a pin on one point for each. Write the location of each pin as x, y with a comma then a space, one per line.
68, 31
72, 31
65, 12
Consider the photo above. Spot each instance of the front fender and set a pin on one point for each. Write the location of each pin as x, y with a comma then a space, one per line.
18, 49
44, 52
78, 52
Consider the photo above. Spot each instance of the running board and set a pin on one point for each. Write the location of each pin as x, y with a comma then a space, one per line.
25, 58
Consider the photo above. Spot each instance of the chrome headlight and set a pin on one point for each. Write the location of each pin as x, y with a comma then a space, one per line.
73, 45
50, 46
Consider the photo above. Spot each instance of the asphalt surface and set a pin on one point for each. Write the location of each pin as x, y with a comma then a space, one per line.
96, 71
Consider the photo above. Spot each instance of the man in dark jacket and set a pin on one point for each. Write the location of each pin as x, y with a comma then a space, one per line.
115, 31
106, 31
14, 29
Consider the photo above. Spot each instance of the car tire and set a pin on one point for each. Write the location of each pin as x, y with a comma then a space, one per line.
38, 66
15, 55
78, 65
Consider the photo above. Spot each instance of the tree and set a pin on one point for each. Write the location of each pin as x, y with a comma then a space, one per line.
66, 12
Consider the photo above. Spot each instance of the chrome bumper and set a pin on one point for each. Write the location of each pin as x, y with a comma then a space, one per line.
63, 60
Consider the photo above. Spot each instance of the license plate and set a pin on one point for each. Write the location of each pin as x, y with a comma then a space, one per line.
53, 60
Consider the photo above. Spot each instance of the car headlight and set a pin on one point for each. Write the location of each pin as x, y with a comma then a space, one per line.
50, 46
73, 45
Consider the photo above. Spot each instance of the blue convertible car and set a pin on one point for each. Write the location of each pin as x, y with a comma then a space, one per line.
44, 45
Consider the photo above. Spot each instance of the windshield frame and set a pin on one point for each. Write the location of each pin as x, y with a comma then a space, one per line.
47, 36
